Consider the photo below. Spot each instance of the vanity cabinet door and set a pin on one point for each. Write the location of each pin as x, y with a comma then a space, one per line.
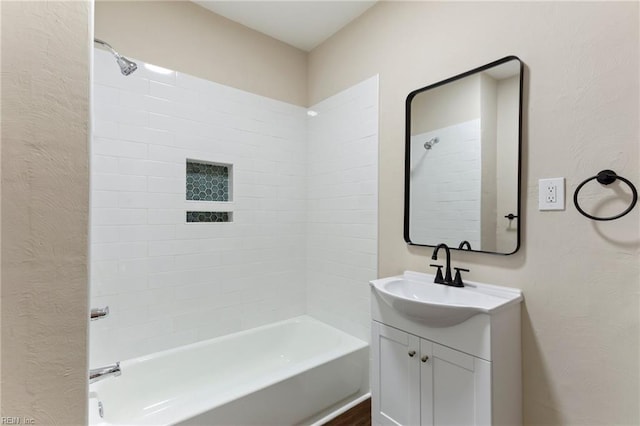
456, 387
395, 379
426, 383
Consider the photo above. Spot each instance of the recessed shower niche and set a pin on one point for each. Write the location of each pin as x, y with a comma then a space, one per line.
209, 216
208, 182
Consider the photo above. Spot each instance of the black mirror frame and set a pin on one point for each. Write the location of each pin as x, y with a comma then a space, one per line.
407, 155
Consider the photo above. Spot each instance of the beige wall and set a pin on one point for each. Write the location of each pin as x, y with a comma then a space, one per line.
506, 153
445, 106
45, 116
488, 120
185, 37
580, 278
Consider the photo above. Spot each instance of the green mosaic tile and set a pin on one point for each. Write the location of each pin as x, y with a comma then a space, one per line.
208, 217
207, 182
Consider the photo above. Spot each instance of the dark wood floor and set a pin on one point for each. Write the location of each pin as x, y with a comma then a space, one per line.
360, 415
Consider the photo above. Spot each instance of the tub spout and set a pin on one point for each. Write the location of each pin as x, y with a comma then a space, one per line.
96, 374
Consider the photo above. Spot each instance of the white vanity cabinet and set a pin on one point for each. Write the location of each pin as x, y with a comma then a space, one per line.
419, 382
468, 373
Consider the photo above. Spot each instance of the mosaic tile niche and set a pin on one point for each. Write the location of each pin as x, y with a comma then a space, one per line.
208, 217
207, 181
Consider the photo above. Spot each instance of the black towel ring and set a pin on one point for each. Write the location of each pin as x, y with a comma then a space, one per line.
606, 177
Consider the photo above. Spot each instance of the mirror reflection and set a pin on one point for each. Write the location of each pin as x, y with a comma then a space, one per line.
462, 160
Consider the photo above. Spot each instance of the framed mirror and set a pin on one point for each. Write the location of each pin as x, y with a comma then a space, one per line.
462, 160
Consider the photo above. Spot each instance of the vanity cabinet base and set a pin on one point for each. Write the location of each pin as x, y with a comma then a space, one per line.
436, 376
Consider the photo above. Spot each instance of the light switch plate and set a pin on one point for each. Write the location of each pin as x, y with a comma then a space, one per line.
551, 194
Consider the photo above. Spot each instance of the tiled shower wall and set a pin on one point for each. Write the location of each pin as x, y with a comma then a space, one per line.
342, 243
169, 282
447, 178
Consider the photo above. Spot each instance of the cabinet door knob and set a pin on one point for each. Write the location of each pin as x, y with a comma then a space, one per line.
412, 353
425, 358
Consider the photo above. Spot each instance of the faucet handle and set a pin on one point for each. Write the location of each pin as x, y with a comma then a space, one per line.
457, 281
97, 313
438, 279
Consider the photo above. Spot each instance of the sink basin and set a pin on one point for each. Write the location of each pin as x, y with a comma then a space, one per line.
416, 296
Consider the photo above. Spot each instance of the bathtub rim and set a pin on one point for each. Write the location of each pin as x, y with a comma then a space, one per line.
298, 319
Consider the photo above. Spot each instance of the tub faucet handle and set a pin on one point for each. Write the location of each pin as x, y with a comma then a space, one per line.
98, 313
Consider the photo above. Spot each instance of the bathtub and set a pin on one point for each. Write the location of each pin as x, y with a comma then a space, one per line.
291, 372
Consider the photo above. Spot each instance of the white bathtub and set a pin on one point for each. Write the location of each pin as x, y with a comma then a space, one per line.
287, 373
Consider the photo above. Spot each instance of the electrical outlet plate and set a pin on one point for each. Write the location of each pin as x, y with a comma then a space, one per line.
551, 194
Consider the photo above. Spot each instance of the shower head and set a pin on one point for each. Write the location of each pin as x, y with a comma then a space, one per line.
126, 66
431, 142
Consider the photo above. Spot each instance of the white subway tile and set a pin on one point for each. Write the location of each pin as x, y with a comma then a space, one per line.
163, 169
166, 216
132, 313
137, 333
133, 100
114, 251
167, 185
104, 268
103, 234
164, 201
105, 216
145, 135
103, 199
198, 261
173, 276
132, 200
118, 148
117, 182
168, 154
102, 285
145, 232
132, 166
158, 74
205, 230
173, 93
172, 247
161, 264
166, 279
104, 129
103, 164
122, 115
133, 266
105, 95
194, 83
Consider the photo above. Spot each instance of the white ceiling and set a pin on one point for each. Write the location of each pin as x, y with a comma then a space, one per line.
303, 24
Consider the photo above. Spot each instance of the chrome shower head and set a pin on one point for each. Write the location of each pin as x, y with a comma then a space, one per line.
126, 66
431, 142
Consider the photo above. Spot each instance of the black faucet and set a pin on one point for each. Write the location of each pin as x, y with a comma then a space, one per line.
447, 274
463, 244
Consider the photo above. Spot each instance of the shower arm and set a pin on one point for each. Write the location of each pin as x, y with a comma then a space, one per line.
126, 66
108, 46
